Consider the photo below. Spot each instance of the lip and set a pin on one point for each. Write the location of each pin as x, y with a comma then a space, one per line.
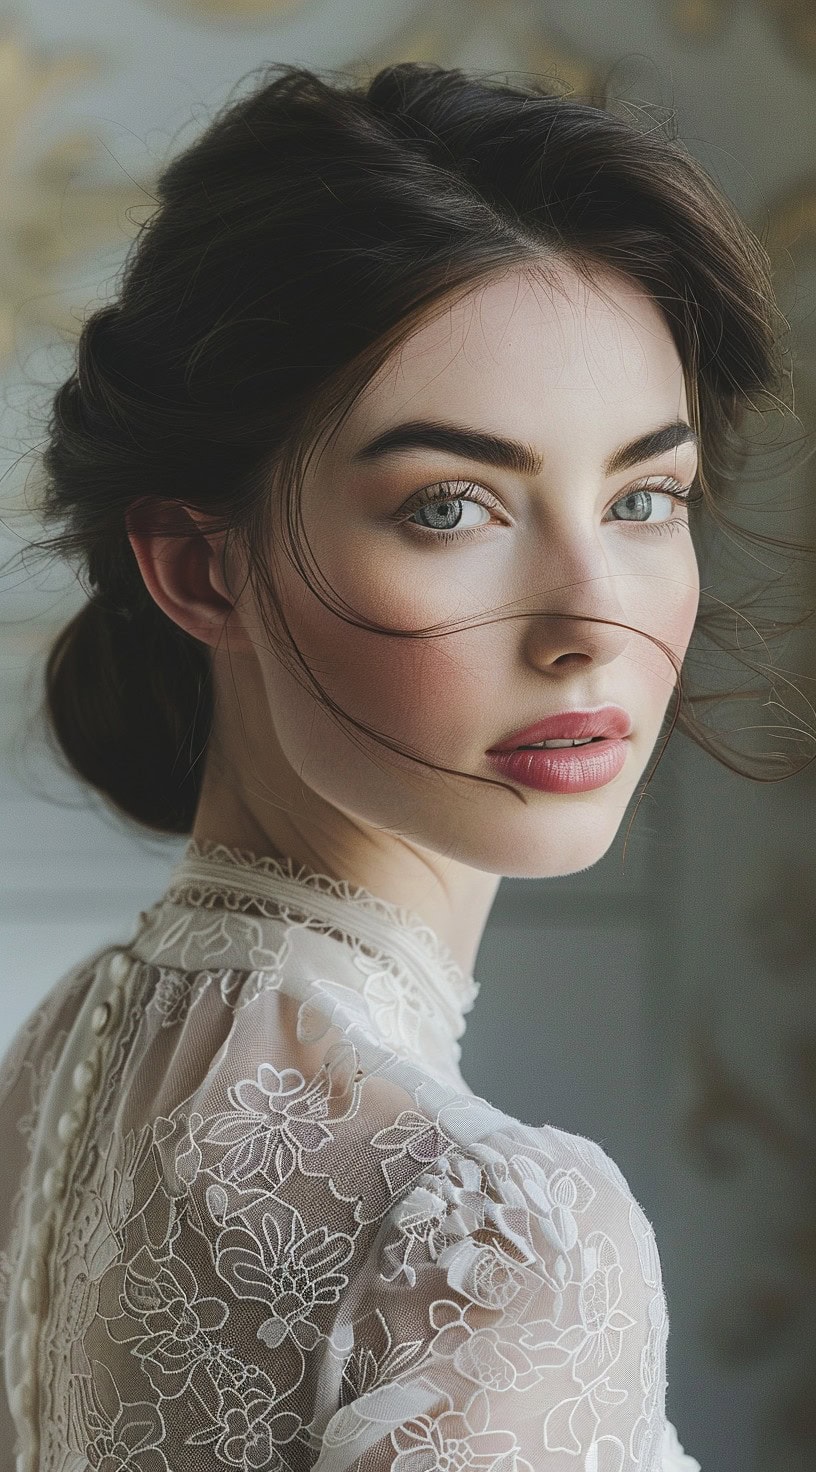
604, 720
565, 769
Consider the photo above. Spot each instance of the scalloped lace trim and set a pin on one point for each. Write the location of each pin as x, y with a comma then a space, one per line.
210, 851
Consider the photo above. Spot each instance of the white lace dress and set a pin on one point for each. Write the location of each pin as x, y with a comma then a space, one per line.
253, 1217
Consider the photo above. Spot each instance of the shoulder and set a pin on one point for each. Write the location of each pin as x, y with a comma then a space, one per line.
510, 1293
305, 1082
517, 1194
291, 1089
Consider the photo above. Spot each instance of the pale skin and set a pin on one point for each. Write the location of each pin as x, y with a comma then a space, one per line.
575, 373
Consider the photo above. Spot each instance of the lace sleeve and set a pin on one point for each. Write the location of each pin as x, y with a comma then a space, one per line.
511, 1317
297, 1263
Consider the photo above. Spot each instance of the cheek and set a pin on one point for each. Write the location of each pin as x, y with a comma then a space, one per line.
682, 603
429, 692
663, 599
420, 691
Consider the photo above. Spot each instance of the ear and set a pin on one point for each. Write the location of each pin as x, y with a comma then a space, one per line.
180, 563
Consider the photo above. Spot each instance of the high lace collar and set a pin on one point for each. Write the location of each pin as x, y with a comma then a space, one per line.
429, 983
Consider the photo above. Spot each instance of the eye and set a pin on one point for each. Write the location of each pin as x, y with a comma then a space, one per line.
639, 502
442, 503
445, 511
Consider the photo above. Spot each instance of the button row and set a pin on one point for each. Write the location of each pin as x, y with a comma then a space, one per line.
34, 1288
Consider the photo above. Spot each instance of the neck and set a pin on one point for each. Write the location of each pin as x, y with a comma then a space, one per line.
453, 899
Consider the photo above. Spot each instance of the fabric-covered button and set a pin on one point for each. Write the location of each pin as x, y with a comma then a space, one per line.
67, 1127
22, 1399
119, 967
84, 1075
29, 1295
101, 1017
41, 1236
53, 1183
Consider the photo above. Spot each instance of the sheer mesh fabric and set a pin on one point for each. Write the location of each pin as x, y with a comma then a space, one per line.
255, 1219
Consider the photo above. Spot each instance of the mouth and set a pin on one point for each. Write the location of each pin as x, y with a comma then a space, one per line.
558, 765
558, 745
572, 727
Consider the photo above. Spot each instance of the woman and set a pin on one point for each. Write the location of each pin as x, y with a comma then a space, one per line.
382, 471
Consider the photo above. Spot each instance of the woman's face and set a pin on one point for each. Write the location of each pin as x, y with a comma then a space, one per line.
576, 375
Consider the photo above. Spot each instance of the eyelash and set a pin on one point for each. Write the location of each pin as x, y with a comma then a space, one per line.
430, 496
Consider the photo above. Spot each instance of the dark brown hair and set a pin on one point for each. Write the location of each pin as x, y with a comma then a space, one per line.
302, 237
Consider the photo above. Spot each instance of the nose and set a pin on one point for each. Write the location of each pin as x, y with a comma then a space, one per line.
579, 624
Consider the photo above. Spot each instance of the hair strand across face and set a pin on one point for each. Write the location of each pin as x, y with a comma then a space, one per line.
300, 240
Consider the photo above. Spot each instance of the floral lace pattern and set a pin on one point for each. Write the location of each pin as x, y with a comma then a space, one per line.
261, 1223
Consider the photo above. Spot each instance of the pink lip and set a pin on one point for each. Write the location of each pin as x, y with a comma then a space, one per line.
605, 720
565, 768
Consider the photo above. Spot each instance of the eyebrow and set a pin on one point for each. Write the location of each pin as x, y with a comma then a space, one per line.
504, 454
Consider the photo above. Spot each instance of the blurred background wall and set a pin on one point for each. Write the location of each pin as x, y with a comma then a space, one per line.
665, 1006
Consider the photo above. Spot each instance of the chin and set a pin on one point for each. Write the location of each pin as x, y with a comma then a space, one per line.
550, 847
555, 868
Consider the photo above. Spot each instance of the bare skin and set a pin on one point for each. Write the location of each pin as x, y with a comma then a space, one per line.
575, 373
